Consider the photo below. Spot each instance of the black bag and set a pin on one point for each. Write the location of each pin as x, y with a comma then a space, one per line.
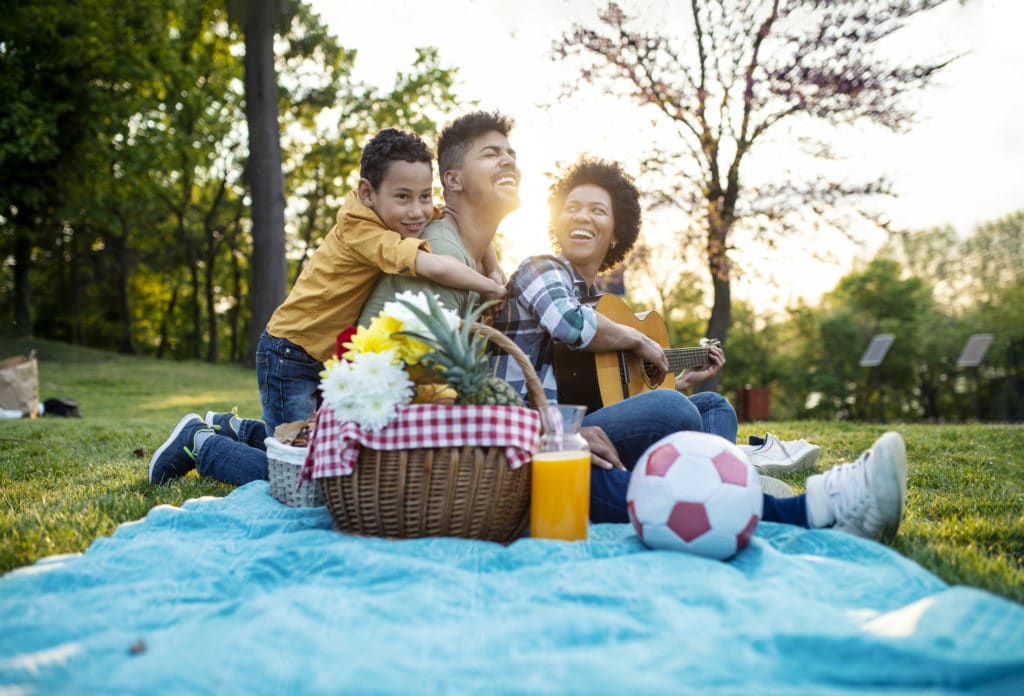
61, 407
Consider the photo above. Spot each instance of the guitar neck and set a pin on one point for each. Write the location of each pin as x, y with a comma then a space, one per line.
682, 358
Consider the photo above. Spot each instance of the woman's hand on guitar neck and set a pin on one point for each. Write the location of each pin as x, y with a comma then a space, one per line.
693, 376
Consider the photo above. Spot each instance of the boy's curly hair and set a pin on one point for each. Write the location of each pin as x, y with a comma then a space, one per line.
391, 145
625, 202
457, 136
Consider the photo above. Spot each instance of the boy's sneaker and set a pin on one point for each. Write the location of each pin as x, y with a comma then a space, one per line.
224, 423
177, 456
770, 455
775, 488
865, 497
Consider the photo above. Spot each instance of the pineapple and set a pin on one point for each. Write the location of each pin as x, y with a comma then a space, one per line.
460, 358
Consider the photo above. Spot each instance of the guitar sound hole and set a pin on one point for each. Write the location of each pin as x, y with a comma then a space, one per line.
650, 373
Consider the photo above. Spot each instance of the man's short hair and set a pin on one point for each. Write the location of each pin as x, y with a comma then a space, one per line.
391, 145
459, 134
625, 202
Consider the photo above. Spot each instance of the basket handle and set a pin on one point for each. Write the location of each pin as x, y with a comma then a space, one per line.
534, 388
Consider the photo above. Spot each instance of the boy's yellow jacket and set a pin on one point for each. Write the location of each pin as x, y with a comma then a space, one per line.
332, 288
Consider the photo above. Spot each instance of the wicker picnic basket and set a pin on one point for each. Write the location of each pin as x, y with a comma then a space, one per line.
468, 492
284, 463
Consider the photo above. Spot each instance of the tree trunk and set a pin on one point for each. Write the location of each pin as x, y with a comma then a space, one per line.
22, 292
123, 303
196, 333
76, 326
165, 322
718, 324
212, 346
266, 180
210, 241
721, 307
234, 354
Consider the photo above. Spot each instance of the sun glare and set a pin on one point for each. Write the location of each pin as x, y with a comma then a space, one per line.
525, 232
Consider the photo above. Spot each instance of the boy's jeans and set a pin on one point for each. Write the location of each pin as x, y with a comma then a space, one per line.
289, 380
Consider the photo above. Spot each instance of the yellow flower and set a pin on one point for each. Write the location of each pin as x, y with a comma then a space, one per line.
376, 338
379, 337
409, 349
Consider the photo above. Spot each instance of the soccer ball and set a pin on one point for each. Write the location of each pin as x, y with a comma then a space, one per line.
695, 492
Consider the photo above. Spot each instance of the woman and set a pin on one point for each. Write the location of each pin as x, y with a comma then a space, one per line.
595, 220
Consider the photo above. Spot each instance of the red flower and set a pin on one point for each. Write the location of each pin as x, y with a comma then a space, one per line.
343, 338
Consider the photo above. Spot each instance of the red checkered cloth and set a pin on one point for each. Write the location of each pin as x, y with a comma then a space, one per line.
334, 447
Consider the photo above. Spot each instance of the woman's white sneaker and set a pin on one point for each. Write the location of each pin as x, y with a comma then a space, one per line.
865, 497
770, 455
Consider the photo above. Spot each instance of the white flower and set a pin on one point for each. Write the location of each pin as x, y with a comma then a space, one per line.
410, 322
334, 384
368, 389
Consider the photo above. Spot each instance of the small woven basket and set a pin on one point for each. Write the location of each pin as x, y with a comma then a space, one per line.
284, 463
468, 492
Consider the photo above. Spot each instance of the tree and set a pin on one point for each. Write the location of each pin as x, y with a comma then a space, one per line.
993, 263
677, 293
260, 21
728, 81
67, 72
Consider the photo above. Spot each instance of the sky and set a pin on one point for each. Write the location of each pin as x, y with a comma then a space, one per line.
961, 164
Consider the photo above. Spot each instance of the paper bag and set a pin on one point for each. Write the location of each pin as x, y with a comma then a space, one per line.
19, 384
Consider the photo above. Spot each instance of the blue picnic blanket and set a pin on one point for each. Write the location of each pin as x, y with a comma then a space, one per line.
241, 595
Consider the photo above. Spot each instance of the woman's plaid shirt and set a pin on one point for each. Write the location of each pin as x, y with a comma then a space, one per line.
543, 306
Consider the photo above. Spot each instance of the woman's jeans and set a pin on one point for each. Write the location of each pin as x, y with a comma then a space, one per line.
636, 423
289, 381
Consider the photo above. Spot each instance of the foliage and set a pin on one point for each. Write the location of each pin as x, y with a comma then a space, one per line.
125, 210
66, 481
729, 78
68, 73
931, 314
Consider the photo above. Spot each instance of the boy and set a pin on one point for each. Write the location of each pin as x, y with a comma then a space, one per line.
481, 186
377, 232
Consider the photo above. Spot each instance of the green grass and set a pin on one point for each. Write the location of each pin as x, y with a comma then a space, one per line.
66, 481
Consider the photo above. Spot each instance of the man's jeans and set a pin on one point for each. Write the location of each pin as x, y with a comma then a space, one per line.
289, 380
636, 423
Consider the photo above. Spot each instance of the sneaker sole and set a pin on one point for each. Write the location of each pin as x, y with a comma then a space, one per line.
167, 443
805, 462
208, 418
775, 488
887, 470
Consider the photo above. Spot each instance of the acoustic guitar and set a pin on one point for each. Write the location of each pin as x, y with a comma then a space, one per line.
602, 379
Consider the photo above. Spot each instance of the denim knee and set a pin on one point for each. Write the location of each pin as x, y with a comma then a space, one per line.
717, 414
672, 410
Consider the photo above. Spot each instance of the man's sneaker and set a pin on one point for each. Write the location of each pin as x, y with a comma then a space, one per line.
224, 423
177, 456
865, 497
775, 488
770, 455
